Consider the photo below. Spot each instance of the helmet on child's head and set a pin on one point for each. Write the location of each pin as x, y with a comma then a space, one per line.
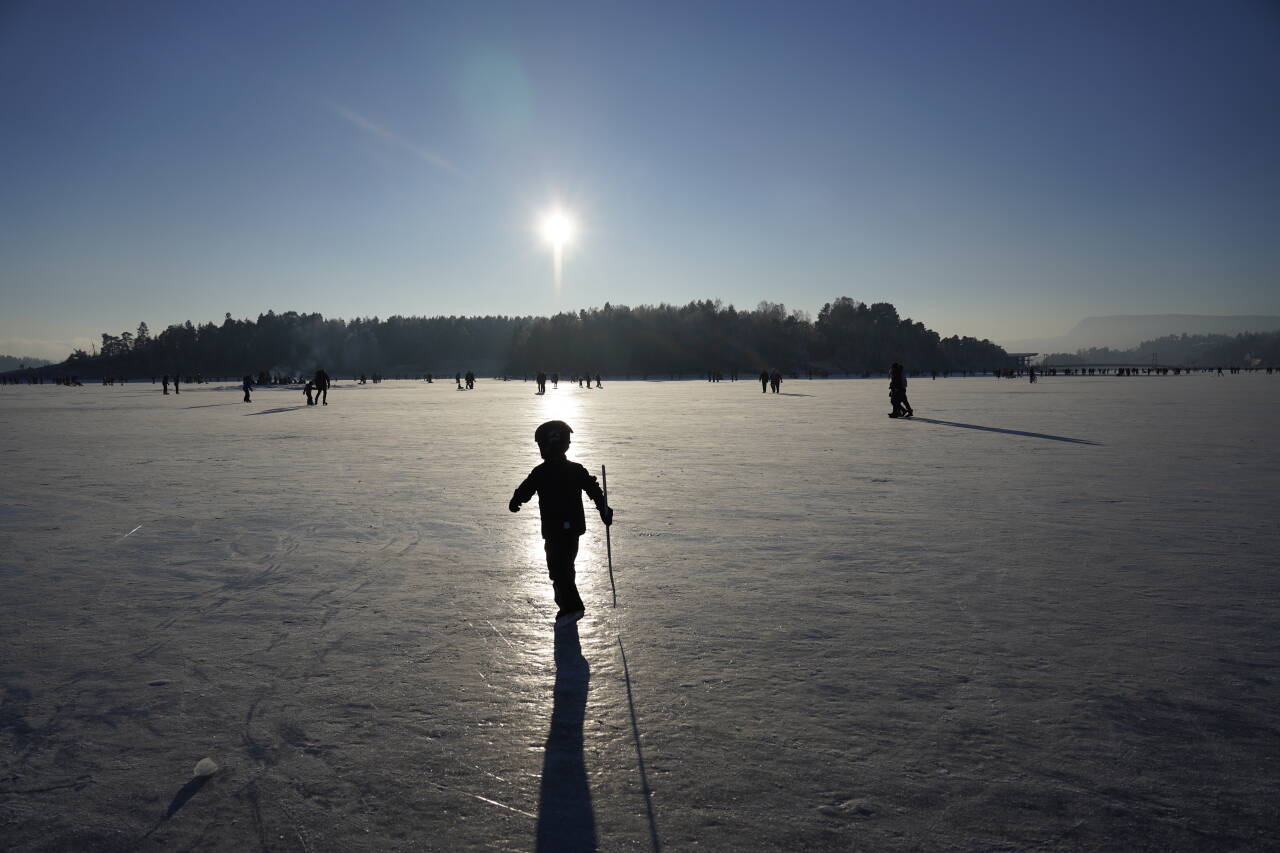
553, 435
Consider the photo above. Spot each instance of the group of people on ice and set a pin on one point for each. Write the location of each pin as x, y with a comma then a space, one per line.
770, 382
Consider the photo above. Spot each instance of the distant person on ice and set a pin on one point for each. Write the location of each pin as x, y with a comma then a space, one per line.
247, 384
306, 389
898, 393
322, 386
764, 382
166, 384
559, 485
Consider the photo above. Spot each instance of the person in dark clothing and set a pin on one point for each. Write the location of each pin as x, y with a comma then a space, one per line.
559, 485
764, 382
166, 385
322, 387
306, 389
247, 384
775, 382
898, 392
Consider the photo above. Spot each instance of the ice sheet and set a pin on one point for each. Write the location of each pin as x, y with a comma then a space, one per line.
1036, 617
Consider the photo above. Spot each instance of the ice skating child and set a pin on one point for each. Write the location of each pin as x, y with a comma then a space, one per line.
559, 484
898, 393
306, 389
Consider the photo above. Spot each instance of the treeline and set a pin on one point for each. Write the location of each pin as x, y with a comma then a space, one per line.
15, 362
1251, 349
847, 337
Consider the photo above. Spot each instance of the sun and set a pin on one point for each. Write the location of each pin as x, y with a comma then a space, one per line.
558, 228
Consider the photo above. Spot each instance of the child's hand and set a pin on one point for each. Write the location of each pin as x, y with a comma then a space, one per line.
514, 506
606, 515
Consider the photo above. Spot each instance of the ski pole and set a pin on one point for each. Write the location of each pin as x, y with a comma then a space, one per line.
608, 543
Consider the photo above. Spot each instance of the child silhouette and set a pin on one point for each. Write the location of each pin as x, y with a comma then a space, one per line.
559, 484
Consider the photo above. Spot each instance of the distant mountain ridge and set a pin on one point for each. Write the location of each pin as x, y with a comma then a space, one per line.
1124, 331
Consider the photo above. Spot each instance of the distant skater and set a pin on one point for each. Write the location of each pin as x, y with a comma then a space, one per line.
306, 389
175, 383
322, 387
598, 383
775, 382
247, 384
898, 392
559, 484
165, 380
764, 382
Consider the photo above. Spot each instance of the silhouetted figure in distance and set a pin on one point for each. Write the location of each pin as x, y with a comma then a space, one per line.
165, 380
322, 387
898, 392
764, 382
559, 484
247, 384
306, 389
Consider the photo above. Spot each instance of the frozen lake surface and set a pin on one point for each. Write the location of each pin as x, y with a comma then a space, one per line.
1038, 617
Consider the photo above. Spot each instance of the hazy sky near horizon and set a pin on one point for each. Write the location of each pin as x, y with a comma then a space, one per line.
998, 169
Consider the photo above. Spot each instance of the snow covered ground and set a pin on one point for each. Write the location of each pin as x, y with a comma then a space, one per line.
1037, 617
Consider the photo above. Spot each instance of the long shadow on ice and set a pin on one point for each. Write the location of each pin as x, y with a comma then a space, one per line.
566, 821
275, 411
1009, 431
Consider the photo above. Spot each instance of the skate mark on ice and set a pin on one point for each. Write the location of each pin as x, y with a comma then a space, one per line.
258, 751
148, 651
484, 800
501, 636
635, 734
255, 811
1020, 432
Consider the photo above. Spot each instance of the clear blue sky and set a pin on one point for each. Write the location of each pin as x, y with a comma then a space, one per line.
999, 169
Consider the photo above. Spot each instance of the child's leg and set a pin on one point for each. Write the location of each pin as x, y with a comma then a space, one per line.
561, 553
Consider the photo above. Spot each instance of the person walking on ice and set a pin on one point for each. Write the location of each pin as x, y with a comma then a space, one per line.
247, 385
898, 393
559, 484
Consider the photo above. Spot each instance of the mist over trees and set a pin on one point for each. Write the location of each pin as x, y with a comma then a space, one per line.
1249, 349
847, 337
14, 362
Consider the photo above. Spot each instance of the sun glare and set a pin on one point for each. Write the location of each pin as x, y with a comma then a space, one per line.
558, 229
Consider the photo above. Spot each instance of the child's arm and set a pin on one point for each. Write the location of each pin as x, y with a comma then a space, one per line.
592, 487
523, 494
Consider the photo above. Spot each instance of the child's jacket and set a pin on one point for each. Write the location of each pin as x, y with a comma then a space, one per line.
559, 484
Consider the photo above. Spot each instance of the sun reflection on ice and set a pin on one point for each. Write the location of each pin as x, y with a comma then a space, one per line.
561, 405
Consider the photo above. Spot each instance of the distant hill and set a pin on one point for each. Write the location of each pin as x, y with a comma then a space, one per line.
1125, 331
13, 362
